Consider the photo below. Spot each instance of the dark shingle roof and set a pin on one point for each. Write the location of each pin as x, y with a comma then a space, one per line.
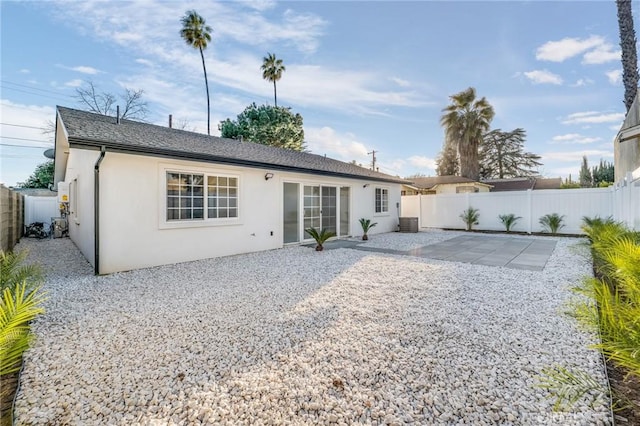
524, 183
95, 130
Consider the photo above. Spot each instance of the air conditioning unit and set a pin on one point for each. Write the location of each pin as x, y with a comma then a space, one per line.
408, 224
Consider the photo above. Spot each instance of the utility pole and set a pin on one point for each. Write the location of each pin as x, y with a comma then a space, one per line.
373, 162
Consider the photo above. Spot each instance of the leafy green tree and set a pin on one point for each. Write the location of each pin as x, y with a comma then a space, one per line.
272, 69
629, 53
42, 177
465, 120
586, 180
603, 173
447, 163
267, 125
197, 34
502, 155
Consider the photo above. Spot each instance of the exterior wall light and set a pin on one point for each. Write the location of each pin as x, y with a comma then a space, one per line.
268, 176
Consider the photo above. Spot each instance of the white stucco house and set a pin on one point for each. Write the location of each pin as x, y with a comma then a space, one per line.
143, 195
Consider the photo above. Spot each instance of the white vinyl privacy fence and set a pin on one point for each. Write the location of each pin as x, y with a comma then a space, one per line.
621, 201
40, 209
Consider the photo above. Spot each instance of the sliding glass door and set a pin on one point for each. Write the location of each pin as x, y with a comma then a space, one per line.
322, 207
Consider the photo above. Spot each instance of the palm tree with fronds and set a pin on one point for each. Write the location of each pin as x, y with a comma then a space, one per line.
629, 54
465, 121
272, 69
197, 34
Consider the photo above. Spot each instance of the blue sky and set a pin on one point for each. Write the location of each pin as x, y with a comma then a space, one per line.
364, 75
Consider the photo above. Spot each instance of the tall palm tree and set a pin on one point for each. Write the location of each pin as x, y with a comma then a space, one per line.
465, 121
197, 34
629, 54
272, 70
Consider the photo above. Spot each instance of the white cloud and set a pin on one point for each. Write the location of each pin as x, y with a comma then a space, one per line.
582, 82
400, 82
83, 69
576, 156
575, 138
143, 61
601, 55
561, 50
614, 76
422, 162
543, 77
595, 50
593, 117
24, 71
344, 147
348, 90
74, 83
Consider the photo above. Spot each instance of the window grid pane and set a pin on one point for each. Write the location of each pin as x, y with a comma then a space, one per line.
222, 197
185, 196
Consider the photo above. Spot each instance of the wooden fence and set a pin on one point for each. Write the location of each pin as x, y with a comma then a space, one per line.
11, 218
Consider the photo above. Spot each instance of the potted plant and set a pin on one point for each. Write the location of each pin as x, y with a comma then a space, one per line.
366, 225
320, 237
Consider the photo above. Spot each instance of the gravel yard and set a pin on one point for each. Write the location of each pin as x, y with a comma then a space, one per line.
294, 336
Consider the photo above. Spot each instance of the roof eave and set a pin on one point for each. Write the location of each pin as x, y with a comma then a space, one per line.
167, 153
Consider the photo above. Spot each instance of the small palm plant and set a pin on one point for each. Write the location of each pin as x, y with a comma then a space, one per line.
552, 222
509, 220
366, 226
471, 217
320, 237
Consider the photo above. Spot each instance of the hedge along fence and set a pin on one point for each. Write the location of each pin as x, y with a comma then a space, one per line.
621, 202
11, 218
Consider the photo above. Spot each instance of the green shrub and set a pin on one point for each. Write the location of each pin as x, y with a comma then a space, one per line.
20, 302
470, 217
321, 237
552, 222
509, 220
366, 226
616, 293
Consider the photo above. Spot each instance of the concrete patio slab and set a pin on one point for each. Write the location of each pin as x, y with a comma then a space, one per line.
510, 252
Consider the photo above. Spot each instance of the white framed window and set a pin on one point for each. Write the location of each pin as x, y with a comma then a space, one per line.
200, 197
382, 200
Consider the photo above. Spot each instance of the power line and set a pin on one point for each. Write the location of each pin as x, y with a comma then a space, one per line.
24, 146
25, 139
22, 125
32, 93
33, 88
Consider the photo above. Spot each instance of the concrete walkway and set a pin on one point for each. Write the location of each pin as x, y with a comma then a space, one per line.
517, 253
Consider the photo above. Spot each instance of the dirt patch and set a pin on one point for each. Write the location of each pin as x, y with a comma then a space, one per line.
626, 388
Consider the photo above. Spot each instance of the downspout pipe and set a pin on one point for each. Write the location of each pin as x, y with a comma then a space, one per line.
96, 211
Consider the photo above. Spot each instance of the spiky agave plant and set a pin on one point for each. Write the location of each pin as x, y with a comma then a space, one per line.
320, 236
366, 226
509, 220
552, 222
470, 217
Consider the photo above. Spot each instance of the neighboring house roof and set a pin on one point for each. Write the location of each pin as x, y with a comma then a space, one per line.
433, 181
91, 130
523, 183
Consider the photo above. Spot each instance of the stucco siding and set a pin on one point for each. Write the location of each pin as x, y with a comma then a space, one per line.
79, 173
134, 232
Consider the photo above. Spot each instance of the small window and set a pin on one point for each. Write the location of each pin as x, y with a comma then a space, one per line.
466, 189
185, 196
382, 200
222, 197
